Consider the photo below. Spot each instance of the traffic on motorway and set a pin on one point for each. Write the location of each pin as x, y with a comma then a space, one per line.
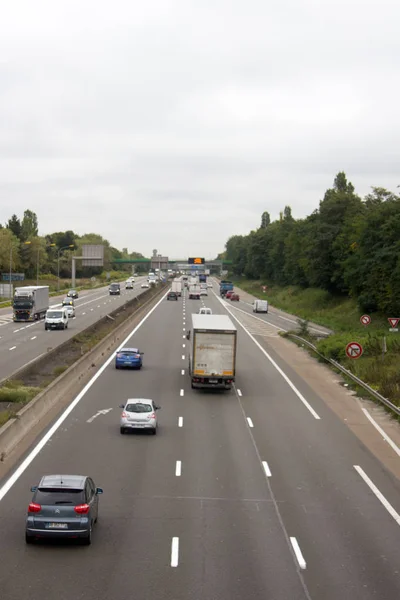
254, 490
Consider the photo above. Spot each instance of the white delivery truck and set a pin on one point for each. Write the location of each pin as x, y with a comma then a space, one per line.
30, 302
212, 356
176, 286
260, 306
194, 292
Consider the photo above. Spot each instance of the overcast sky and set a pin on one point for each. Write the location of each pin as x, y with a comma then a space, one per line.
173, 124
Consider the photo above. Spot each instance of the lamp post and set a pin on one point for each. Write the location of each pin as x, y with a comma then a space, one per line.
58, 263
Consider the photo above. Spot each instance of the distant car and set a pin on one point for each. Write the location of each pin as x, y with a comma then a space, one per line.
203, 292
139, 413
229, 294
73, 294
70, 310
172, 296
129, 284
235, 297
129, 358
145, 284
209, 285
114, 289
205, 311
63, 506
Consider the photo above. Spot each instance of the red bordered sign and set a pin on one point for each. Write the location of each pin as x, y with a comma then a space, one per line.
354, 350
365, 320
393, 322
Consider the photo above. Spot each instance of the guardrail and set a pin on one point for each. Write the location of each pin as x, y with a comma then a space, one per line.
351, 375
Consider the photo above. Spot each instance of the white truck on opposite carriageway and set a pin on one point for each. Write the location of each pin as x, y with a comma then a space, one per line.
212, 356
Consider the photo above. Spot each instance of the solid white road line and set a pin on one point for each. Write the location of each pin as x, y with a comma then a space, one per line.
266, 468
239, 392
274, 364
180, 422
383, 434
34, 337
297, 551
31, 456
183, 372
12, 348
378, 494
182, 392
178, 468
175, 552
250, 422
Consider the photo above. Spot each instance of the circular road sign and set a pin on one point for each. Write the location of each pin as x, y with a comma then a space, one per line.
354, 350
365, 320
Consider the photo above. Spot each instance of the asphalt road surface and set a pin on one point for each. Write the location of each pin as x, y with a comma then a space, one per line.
21, 343
260, 493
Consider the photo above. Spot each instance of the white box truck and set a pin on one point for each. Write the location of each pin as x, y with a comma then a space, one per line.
260, 306
30, 302
176, 286
194, 292
212, 356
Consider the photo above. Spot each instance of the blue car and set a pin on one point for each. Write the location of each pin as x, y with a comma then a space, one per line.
129, 358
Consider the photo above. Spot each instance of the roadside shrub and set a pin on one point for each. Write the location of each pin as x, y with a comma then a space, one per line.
19, 394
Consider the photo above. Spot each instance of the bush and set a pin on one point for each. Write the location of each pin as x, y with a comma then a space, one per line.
20, 395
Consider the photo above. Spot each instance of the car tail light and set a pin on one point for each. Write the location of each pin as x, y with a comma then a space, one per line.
137, 355
152, 416
124, 415
34, 508
82, 509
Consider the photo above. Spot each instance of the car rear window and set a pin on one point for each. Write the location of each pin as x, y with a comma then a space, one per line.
138, 408
128, 353
51, 496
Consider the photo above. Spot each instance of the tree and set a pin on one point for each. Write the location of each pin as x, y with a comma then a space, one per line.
29, 226
9, 246
265, 220
14, 224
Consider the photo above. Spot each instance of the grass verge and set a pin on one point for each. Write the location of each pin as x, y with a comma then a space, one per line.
379, 369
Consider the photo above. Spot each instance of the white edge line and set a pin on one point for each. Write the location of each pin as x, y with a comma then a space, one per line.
182, 392
31, 456
266, 468
297, 551
250, 422
383, 434
180, 422
378, 494
277, 367
175, 552
178, 468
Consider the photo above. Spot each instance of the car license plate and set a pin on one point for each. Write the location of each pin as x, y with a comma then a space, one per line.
127, 362
57, 526
213, 380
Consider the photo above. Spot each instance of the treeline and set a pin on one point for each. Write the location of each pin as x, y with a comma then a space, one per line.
28, 253
348, 246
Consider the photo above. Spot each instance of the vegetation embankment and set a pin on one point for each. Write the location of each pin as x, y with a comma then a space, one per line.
14, 394
381, 370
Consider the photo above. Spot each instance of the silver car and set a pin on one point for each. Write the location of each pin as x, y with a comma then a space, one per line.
139, 413
63, 506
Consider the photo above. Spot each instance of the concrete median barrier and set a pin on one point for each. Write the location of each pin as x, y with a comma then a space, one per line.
61, 391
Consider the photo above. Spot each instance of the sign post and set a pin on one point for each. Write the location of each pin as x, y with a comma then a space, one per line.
393, 323
354, 350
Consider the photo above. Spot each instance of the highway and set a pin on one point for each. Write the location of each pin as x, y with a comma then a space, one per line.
261, 493
21, 343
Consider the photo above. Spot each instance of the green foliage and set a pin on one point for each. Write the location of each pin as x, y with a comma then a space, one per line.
20, 394
348, 247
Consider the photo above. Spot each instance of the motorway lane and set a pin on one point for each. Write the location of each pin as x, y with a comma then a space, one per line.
21, 343
232, 521
347, 536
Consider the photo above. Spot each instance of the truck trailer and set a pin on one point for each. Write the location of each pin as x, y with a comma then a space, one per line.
212, 356
176, 286
30, 303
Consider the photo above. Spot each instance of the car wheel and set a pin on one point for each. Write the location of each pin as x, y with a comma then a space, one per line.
86, 541
154, 431
122, 430
29, 539
116, 366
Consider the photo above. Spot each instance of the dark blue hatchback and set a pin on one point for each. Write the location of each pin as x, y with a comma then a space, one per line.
129, 358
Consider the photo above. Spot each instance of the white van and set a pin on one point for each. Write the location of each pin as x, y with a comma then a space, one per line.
56, 318
205, 311
260, 306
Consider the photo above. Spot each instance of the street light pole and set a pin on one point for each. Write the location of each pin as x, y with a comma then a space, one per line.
58, 263
10, 270
37, 267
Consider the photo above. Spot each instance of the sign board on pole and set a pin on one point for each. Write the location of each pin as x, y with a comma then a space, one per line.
393, 323
92, 255
365, 320
354, 350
